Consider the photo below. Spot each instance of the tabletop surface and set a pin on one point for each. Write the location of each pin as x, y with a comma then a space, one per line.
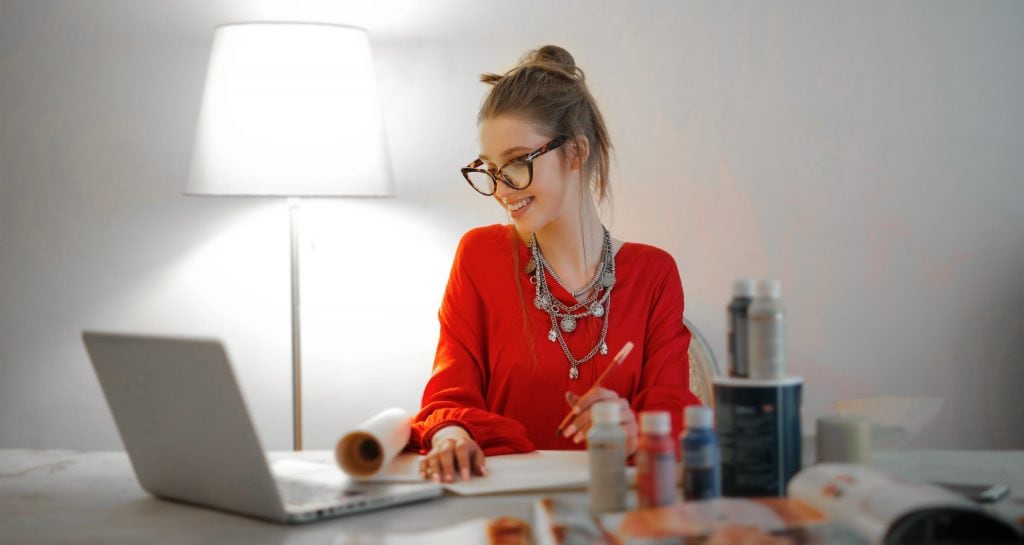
62, 496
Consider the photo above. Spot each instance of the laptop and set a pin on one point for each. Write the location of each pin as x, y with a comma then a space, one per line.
188, 434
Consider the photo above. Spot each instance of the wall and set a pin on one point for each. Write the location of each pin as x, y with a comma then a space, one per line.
865, 153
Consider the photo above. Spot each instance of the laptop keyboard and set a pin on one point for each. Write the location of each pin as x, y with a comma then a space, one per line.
297, 493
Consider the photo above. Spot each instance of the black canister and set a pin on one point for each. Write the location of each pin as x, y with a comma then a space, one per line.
758, 425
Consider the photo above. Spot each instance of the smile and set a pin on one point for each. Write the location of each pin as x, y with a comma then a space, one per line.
518, 205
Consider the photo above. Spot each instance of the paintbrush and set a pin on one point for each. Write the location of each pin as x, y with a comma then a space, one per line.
623, 352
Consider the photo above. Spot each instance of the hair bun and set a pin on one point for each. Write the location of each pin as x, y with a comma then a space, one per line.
552, 54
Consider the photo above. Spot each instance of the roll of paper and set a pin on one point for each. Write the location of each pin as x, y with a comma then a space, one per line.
365, 451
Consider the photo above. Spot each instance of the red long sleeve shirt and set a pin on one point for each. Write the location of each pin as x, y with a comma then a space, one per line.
486, 378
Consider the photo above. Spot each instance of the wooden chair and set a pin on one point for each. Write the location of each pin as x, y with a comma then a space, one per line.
703, 366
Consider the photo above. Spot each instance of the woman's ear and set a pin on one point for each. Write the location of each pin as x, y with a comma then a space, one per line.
579, 152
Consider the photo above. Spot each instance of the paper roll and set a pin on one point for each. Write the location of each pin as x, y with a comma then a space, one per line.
362, 453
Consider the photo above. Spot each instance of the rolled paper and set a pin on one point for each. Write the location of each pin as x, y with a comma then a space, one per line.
363, 452
844, 438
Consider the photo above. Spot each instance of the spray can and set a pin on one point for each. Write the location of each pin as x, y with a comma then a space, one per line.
742, 295
606, 449
767, 331
702, 477
655, 461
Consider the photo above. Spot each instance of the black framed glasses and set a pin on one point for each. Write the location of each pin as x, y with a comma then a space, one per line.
517, 173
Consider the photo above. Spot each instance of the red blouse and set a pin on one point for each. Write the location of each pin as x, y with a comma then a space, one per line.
486, 378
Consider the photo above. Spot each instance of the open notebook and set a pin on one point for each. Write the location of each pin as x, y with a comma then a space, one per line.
542, 470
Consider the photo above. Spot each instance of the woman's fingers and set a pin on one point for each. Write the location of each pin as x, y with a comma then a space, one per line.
629, 425
578, 428
453, 456
478, 461
447, 456
463, 453
598, 394
431, 467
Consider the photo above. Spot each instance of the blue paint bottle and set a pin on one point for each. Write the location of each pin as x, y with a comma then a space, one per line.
702, 474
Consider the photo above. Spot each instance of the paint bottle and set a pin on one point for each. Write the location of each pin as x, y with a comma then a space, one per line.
606, 449
655, 461
742, 295
702, 477
766, 328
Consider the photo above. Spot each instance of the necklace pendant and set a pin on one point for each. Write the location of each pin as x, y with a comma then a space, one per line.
541, 302
568, 324
574, 373
607, 279
531, 266
552, 335
604, 349
597, 310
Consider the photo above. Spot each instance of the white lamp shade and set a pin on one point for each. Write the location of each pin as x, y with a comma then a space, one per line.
290, 109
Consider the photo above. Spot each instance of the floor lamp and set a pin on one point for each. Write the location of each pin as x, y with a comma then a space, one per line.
290, 110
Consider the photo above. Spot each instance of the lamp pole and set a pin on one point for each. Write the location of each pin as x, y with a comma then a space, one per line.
293, 227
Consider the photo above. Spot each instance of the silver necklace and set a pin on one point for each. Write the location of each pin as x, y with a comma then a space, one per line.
594, 299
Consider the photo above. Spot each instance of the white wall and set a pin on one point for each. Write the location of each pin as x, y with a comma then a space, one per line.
867, 153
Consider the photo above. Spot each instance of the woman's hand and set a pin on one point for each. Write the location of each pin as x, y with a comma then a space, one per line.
579, 426
453, 452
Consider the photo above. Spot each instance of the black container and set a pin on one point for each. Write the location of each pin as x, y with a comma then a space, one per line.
758, 425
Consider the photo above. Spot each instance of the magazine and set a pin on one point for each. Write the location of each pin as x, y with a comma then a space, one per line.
886, 509
828, 503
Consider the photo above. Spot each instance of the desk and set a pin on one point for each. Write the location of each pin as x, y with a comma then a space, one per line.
60, 496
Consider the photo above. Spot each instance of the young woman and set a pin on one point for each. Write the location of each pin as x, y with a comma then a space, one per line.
534, 311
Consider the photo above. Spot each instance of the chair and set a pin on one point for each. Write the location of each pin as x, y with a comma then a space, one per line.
703, 366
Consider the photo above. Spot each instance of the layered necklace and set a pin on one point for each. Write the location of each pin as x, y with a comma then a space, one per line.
593, 299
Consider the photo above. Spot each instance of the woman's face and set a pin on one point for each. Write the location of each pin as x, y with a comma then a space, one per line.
551, 195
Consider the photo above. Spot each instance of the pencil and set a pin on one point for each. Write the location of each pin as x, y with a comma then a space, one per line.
623, 352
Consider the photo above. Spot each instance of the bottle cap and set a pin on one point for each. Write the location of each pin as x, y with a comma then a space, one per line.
605, 412
699, 417
743, 287
655, 422
770, 287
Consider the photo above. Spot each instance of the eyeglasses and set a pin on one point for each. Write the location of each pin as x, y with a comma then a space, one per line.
517, 173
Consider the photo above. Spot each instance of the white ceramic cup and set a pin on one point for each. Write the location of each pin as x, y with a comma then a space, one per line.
843, 438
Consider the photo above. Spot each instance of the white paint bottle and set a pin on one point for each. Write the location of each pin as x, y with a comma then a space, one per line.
606, 448
766, 327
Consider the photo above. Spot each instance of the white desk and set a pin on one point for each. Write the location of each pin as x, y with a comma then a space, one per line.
59, 496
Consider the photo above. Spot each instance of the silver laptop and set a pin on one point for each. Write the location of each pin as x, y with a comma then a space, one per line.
188, 434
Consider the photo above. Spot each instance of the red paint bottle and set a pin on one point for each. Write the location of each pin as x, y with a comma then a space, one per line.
655, 461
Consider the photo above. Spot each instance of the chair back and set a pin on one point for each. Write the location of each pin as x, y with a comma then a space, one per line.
703, 366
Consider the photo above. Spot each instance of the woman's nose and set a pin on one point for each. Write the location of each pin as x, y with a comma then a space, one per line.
501, 190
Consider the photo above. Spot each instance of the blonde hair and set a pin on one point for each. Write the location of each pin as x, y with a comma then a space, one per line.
547, 88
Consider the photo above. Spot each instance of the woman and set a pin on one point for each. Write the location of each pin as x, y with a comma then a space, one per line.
534, 311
